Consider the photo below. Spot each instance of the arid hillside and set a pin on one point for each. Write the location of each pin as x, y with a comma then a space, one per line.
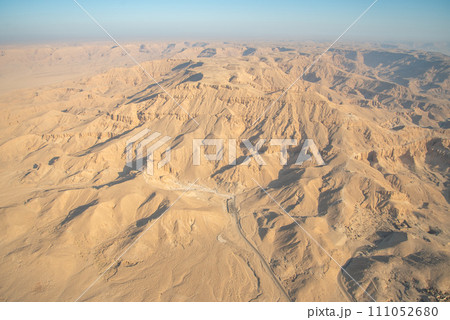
223, 231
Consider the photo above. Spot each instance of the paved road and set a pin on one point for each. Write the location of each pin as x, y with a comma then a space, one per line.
231, 208
342, 275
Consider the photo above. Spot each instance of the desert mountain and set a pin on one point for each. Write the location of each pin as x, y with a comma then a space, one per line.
378, 205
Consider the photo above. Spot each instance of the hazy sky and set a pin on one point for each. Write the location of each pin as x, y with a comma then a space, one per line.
388, 20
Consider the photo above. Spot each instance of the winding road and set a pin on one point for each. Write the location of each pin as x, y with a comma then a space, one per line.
231, 208
342, 276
